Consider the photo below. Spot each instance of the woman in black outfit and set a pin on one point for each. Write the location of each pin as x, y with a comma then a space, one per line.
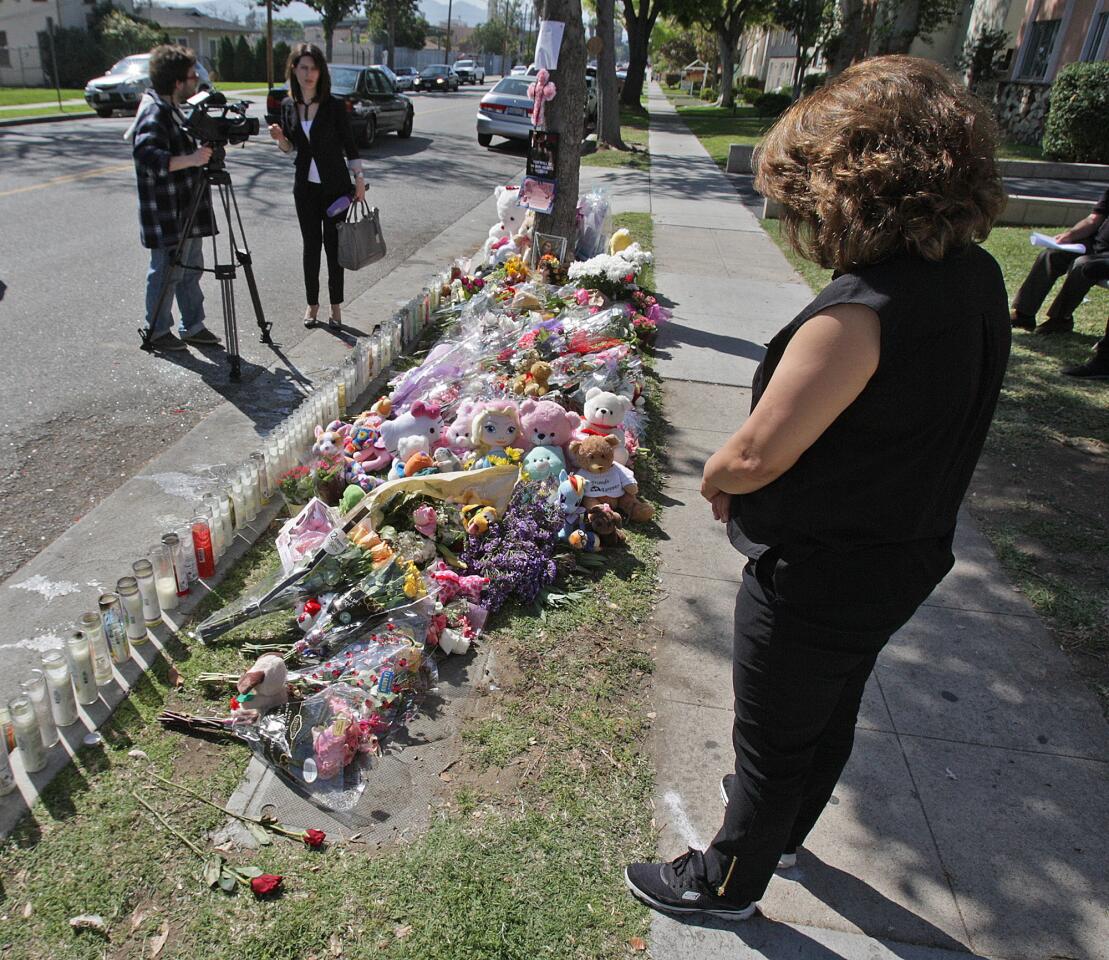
316, 125
868, 414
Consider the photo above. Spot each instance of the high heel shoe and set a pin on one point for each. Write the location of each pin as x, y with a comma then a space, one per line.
334, 323
310, 322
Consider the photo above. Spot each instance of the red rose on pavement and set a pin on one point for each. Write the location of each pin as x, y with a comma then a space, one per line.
314, 838
267, 883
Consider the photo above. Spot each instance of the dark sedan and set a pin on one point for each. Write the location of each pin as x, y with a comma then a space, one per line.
438, 76
373, 104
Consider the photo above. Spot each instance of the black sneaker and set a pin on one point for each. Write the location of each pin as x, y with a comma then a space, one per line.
1022, 321
203, 338
679, 887
168, 343
788, 859
1054, 325
1096, 368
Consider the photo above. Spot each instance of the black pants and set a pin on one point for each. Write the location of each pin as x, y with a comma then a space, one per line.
318, 229
798, 671
1082, 272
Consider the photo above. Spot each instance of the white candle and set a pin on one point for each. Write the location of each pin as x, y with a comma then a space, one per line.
80, 667
62, 701
7, 780
151, 608
35, 690
93, 629
134, 620
27, 735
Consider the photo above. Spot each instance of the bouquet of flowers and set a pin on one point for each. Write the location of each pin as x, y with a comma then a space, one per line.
611, 274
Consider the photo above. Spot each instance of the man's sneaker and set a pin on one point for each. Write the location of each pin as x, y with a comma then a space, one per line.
1055, 325
679, 887
1022, 321
786, 860
1096, 368
167, 342
202, 338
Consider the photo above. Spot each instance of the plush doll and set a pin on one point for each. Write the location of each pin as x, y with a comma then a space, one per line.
332, 439
457, 435
542, 463
365, 449
603, 414
620, 240
607, 524
607, 481
547, 424
571, 491
476, 518
450, 584
534, 382
263, 686
494, 430
511, 222
412, 432
445, 459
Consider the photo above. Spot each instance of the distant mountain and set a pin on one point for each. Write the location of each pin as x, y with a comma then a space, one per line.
434, 11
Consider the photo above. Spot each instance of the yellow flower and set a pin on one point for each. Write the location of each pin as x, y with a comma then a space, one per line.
414, 583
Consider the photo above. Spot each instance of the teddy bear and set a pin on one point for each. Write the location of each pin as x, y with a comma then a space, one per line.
511, 222
547, 424
607, 481
410, 433
602, 417
534, 382
263, 686
543, 462
607, 524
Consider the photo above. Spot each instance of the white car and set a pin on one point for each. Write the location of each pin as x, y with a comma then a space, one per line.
122, 87
469, 71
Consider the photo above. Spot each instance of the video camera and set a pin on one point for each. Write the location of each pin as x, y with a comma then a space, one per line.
214, 120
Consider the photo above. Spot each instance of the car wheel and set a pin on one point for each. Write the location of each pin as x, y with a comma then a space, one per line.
369, 132
406, 131
484, 139
104, 112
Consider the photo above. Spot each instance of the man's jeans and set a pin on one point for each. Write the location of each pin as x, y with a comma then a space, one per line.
185, 284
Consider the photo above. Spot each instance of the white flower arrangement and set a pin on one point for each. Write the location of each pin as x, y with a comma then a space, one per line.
613, 267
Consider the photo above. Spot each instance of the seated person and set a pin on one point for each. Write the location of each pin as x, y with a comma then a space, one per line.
1082, 272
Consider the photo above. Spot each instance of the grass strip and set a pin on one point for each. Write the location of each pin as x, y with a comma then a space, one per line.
14, 96
634, 129
53, 112
550, 797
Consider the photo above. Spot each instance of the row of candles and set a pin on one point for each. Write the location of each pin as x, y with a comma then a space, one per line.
103, 640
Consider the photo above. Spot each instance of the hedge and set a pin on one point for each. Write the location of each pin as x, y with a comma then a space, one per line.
772, 104
1077, 125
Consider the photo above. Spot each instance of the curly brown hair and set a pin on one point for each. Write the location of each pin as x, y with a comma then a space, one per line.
893, 156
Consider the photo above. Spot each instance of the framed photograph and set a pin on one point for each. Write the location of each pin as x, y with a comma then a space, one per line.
548, 243
543, 154
537, 194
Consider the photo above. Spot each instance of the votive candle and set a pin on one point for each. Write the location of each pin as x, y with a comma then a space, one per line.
58, 685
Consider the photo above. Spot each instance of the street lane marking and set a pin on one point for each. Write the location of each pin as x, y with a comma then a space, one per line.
69, 178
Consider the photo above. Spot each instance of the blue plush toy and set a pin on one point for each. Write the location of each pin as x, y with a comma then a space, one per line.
542, 463
571, 492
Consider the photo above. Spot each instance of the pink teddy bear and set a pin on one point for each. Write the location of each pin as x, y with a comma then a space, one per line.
547, 424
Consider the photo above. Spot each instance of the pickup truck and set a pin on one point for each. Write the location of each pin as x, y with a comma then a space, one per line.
469, 71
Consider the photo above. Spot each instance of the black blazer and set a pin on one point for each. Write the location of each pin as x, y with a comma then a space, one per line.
331, 145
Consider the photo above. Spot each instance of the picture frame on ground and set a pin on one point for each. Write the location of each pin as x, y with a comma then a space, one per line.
549, 243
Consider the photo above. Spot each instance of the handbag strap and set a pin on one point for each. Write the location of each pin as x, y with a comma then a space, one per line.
360, 205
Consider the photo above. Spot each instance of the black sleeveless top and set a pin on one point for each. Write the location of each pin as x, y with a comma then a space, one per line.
893, 468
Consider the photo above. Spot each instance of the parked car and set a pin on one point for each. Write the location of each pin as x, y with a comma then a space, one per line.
372, 102
438, 76
405, 76
505, 111
469, 71
520, 70
122, 87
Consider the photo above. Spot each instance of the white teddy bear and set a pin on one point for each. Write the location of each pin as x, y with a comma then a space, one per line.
499, 245
603, 416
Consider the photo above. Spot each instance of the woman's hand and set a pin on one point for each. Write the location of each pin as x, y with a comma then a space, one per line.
359, 189
720, 501
276, 132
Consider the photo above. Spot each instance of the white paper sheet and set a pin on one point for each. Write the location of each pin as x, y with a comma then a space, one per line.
548, 44
1043, 240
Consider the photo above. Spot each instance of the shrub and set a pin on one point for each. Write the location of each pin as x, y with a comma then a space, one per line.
750, 80
708, 93
812, 81
80, 56
772, 104
1076, 130
750, 94
672, 78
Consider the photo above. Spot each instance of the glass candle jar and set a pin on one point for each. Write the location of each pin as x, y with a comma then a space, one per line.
202, 547
172, 543
238, 502
144, 577
115, 627
133, 619
58, 685
188, 554
34, 689
28, 739
7, 779
6, 733
165, 580
80, 667
93, 629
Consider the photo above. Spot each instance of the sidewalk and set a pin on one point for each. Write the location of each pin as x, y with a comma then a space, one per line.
971, 818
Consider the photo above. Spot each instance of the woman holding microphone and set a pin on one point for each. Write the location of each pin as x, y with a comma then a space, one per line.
315, 124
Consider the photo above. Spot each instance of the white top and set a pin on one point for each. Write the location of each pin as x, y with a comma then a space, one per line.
313, 173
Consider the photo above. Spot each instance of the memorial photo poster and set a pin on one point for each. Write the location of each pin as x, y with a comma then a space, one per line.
548, 44
537, 194
543, 154
547, 244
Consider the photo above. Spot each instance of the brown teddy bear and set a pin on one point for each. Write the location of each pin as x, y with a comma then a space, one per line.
607, 524
607, 481
534, 381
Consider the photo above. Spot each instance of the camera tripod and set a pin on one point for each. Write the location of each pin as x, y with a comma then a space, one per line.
215, 175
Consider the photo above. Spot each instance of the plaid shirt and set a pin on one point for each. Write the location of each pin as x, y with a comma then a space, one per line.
164, 196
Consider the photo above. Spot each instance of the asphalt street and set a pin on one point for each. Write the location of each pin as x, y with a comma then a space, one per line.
83, 408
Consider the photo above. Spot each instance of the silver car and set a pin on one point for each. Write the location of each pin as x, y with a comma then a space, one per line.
505, 111
122, 87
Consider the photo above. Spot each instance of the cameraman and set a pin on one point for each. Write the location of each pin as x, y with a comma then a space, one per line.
167, 163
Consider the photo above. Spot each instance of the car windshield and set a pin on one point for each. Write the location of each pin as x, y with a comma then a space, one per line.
463, 63
344, 79
131, 64
406, 72
512, 87
435, 71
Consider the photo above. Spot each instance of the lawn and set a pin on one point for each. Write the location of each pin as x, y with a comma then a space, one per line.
549, 796
51, 111
1039, 493
14, 96
634, 131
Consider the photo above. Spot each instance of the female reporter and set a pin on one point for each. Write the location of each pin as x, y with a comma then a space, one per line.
868, 415
315, 124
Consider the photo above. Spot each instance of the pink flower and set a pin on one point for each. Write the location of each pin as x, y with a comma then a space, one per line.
425, 520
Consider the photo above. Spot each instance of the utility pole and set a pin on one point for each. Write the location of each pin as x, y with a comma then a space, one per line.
448, 57
269, 44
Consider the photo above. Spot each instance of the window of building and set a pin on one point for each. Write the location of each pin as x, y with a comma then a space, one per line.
1038, 49
213, 50
1096, 37
5, 54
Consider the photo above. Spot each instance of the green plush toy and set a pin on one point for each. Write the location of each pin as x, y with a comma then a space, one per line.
352, 496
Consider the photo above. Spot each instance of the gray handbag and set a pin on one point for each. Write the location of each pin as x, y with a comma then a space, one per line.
361, 241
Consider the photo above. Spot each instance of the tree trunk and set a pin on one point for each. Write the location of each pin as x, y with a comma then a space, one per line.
638, 25
391, 34
328, 32
854, 38
608, 105
726, 49
565, 114
898, 26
